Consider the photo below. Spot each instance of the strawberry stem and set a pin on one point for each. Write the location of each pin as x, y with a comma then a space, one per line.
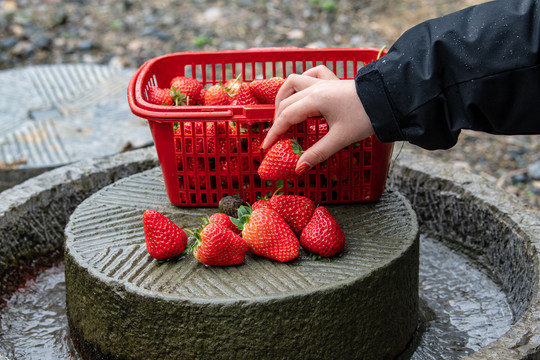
380, 52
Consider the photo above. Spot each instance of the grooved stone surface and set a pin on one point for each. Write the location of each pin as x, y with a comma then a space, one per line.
361, 304
71, 112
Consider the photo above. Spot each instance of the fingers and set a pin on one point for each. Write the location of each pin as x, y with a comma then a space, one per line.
293, 84
321, 72
292, 110
290, 93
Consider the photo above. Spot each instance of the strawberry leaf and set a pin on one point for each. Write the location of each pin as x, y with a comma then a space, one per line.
297, 149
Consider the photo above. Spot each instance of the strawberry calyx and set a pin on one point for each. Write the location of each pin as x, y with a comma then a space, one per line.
269, 195
178, 97
244, 214
197, 235
297, 148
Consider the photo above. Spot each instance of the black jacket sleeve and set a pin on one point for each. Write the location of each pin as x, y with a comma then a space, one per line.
475, 69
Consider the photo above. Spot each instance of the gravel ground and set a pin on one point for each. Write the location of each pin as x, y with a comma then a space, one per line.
128, 32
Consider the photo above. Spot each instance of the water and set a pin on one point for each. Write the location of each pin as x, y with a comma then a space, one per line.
462, 311
33, 325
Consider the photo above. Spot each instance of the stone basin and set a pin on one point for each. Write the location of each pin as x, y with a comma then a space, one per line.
498, 233
123, 304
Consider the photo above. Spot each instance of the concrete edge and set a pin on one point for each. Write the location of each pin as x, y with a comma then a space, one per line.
33, 214
522, 341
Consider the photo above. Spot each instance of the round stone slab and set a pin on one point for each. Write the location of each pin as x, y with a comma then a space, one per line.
121, 303
57, 114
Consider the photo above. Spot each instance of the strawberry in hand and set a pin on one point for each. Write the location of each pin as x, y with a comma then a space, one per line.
323, 235
280, 161
267, 234
164, 239
217, 245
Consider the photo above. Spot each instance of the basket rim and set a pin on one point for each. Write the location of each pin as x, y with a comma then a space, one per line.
162, 113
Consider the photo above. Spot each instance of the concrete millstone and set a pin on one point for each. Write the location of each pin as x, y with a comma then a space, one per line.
123, 304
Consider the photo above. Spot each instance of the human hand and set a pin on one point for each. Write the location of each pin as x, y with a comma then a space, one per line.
318, 92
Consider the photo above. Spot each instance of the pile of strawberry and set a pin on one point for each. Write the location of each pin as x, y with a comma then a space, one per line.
184, 90
275, 227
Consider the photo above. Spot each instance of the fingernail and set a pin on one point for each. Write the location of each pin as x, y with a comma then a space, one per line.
302, 168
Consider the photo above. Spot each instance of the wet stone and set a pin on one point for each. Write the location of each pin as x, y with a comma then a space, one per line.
76, 112
127, 305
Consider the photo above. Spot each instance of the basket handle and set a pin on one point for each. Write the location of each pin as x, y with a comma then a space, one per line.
170, 116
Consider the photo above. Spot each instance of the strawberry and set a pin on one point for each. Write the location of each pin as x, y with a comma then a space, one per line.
224, 220
261, 203
216, 95
264, 201
296, 210
323, 235
244, 96
217, 245
164, 239
265, 90
280, 161
159, 96
233, 85
201, 96
267, 234
187, 90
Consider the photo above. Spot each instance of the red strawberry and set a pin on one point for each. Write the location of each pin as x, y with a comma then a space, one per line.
280, 161
216, 95
224, 220
264, 201
164, 239
217, 245
201, 96
323, 235
233, 85
159, 96
267, 234
265, 90
296, 210
244, 96
188, 87
261, 203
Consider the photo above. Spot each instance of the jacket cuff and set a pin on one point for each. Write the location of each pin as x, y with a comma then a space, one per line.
370, 89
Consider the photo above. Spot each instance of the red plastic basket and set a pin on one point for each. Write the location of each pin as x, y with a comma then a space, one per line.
208, 152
